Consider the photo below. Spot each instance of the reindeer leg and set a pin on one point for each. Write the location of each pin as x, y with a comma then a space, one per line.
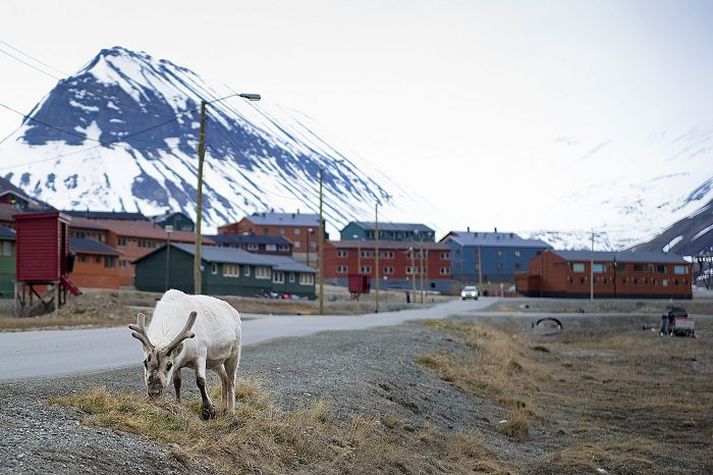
177, 383
231, 367
223, 384
207, 408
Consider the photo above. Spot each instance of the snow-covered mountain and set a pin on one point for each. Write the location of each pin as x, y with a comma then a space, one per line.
122, 134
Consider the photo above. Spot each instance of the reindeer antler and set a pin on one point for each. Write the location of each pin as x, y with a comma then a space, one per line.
185, 333
138, 331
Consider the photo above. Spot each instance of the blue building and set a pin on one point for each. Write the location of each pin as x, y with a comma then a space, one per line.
490, 256
366, 231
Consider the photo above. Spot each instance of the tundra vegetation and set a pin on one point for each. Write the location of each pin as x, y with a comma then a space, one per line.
603, 396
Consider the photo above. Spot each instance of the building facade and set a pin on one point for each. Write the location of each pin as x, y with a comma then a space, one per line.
302, 230
225, 271
96, 265
401, 264
270, 245
490, 256
7, 263
616, 275
363, 230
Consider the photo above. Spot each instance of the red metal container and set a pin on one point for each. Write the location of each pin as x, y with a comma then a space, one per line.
42, 246
359, 284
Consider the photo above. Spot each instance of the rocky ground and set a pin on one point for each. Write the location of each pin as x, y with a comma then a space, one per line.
374, 373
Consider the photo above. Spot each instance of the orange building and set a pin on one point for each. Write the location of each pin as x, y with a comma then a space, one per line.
95, 264
302, 230
616, 275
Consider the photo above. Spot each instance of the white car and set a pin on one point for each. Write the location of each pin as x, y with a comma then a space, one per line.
469, 292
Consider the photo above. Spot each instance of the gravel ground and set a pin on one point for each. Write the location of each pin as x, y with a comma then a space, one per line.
362, 372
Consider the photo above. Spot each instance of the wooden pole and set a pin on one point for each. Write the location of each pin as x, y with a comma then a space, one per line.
591, 270
412, 249
378, 282
321, 246
197, 284
420, 271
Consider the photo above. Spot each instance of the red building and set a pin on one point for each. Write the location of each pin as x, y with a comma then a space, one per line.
95, 264
620, 274
302, 230
399, 263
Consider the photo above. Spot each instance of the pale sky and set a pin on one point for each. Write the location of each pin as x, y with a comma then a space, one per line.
467, 102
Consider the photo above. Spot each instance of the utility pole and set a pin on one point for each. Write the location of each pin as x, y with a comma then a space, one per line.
480, 271
591, 270
321, 246
412, 250
420, 269
376, 228
169, 230
197, 284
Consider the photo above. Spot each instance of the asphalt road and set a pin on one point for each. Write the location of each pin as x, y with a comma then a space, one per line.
42, 353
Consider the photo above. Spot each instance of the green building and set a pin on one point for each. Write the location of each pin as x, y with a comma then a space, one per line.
7, 263
225, 271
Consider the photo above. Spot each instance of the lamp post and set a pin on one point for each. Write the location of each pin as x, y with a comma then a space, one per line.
197, 284
356, 238
169, 230
411, 251
376, 265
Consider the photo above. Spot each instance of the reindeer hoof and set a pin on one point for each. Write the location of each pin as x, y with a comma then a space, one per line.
208, 412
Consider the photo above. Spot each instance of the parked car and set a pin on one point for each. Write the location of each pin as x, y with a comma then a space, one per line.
469, 292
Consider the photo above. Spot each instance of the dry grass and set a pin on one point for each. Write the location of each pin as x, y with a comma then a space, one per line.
497, 367
602, 396
262, 438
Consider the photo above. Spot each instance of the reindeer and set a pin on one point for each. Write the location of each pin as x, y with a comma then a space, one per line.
209, 339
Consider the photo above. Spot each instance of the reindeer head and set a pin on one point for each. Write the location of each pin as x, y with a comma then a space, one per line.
158, 361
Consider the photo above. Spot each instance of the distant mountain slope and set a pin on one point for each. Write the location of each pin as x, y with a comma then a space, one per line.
104, 139
690, 236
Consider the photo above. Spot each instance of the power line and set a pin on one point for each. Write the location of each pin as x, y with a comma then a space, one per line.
33, 58
59, 129
30, 65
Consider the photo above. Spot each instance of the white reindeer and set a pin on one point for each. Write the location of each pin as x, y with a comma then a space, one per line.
216, 346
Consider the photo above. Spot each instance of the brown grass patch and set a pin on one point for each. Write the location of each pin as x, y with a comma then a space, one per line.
262, 438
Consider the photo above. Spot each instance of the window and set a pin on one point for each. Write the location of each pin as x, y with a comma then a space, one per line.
98, 259
517, 252
306, 279
598, 267
620, 267
517, 266
81, 258
271, 247
366, 269
680, 270
660, 268
366, 253
292, 276
296, 244
246, 271
283, 247
252, 247
296, 232
342, 253
229, 270
411, 270
278, 277
577, 267
342, 269
500, 253
281, 231
445, 256
7, 248
109, 262
214, 268
123, 263
313, 245
262, 272
445, 270
388, 270
266, 231
639, 267
386, 254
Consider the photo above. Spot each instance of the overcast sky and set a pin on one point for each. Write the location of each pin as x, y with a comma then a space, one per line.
461, 100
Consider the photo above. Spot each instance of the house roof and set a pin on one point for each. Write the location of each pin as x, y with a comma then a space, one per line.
230, 255
405, 227
493, 239
163, 217
79, 222
90, 246
147, 230
287, 264
6, 233
284, 219
227, 255
120, 215
7, 187
396, 245
248, 239
624, 256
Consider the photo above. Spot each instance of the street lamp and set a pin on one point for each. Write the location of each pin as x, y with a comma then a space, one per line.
356, 238
197, 284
